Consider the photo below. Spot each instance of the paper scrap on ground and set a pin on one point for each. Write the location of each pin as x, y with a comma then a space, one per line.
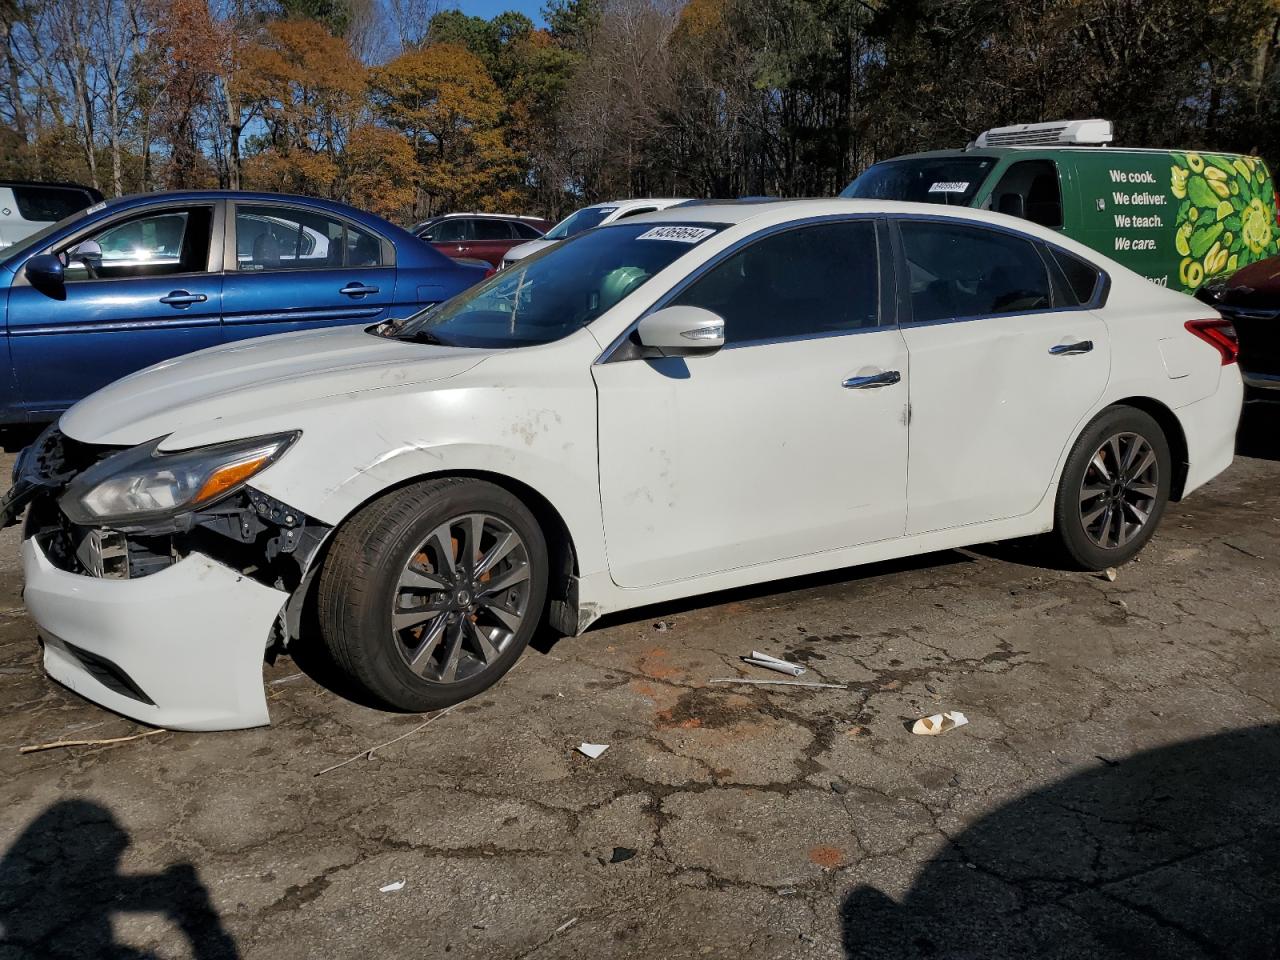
592, 750
939, 723
392, 887
758, 659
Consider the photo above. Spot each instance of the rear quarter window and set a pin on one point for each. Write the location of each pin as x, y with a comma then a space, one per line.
1079, 278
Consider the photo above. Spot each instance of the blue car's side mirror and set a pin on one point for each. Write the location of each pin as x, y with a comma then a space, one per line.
46, 274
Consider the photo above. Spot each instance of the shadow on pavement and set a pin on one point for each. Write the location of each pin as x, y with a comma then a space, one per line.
1259, 432
1171, 853
60, 884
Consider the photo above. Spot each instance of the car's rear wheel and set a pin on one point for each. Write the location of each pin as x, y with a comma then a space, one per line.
1114, 489
430, 594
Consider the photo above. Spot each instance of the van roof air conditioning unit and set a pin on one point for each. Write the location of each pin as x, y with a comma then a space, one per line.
1058, 133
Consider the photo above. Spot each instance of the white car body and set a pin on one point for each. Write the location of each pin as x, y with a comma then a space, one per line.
612, 212
753, 465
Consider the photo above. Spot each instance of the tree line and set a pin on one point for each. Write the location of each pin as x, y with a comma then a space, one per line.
409, 109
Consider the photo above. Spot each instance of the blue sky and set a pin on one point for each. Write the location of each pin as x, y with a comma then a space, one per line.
491, 8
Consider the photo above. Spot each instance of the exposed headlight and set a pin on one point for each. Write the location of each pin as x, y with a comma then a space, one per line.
142, 482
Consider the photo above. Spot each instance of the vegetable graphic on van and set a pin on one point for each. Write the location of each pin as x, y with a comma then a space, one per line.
1225, 220
1178, 217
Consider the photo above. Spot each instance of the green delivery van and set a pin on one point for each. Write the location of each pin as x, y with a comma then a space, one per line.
1178, 217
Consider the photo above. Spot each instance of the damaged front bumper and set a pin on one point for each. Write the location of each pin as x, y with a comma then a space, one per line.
182, 648
167, 621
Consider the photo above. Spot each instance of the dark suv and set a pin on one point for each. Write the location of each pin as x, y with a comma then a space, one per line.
1250, 299
480, 236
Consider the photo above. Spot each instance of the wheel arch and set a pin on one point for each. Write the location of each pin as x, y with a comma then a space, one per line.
1173, 432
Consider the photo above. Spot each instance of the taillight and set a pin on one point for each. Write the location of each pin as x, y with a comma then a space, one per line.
488, 272
1220, 335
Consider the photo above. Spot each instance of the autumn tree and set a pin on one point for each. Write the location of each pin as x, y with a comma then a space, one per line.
309, 89
449, 109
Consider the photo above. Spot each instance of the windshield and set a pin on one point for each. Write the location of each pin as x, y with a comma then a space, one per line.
37, 239
575, 223
551, 295
948, 180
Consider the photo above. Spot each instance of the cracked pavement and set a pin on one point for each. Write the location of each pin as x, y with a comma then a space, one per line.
1111, 796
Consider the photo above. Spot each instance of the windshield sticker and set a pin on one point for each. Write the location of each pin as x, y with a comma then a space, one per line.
679, 234
950, 186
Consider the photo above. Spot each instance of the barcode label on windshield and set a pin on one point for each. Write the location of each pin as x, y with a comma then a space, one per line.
679, 234
950, 186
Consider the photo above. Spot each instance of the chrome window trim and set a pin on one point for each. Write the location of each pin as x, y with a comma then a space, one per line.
606, 356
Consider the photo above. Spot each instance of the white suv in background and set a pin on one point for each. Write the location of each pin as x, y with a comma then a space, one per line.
584, 219
27, 207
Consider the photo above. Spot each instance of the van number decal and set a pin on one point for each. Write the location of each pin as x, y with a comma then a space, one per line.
950, 186
679, 234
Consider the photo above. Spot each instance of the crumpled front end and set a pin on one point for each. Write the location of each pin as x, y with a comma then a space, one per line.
166, 621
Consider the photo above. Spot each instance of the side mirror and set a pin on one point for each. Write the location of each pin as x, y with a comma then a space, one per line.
1014, 205
680, 331
46, 273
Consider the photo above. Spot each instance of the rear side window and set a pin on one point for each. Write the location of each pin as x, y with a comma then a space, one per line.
49, 203
1080, 277
816, 280
956, 270
273, 237
492, 230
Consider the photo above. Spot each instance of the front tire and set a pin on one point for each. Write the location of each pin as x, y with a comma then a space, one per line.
1114, 489
430, 594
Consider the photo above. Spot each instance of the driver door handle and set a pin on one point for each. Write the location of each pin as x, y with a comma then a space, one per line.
357, 290
1070, 349
886, 379
180, 298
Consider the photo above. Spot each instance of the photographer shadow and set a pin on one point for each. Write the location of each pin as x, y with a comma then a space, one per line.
60, 884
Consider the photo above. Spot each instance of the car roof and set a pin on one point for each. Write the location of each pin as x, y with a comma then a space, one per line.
1083, 150
638, 202
482, 213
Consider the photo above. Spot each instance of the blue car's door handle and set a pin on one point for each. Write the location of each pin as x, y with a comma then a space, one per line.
181, 299
357, 290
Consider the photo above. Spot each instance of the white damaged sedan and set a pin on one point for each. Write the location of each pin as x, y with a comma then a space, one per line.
700, 398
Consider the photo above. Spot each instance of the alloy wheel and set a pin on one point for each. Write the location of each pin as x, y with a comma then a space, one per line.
1119, 490
462, 598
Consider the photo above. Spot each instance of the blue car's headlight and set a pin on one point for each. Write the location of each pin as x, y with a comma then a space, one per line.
143, 483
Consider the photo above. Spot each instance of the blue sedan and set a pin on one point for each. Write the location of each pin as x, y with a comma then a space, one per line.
134, 281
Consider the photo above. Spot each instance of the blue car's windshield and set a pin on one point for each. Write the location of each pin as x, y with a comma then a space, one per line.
575, 223
550, 295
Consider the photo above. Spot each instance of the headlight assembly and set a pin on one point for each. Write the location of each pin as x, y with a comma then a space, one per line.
144, 483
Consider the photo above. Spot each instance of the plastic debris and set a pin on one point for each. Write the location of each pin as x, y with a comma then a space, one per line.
781, 683
939, 723
566, 925
758, 659
839, 787
592, 750
1110, 574
662, 626
622, 854
392, 887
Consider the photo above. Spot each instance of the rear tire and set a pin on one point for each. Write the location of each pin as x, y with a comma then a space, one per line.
1114, 489
430, 594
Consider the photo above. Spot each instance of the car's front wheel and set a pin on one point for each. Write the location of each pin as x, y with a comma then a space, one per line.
1114, 489
430, 594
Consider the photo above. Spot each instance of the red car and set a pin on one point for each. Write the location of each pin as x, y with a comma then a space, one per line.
479, 236
1250, 299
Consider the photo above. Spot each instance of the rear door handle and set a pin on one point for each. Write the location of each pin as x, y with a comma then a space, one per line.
1069, 349
357, 290
181, 299
886, 379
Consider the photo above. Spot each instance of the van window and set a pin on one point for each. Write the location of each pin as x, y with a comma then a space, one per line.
956, 270
949, 180
49, 203
1029, 189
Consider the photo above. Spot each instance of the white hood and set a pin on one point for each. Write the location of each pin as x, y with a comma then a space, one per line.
527, 249
252, 376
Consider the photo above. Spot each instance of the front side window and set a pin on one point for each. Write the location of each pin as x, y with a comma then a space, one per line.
453, 230
575, 223
549, 296
153, 245
526, 231
948, 180
956, 270
271, 237
815, 280
1029, 189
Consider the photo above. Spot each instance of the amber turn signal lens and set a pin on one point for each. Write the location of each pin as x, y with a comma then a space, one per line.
233, 474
